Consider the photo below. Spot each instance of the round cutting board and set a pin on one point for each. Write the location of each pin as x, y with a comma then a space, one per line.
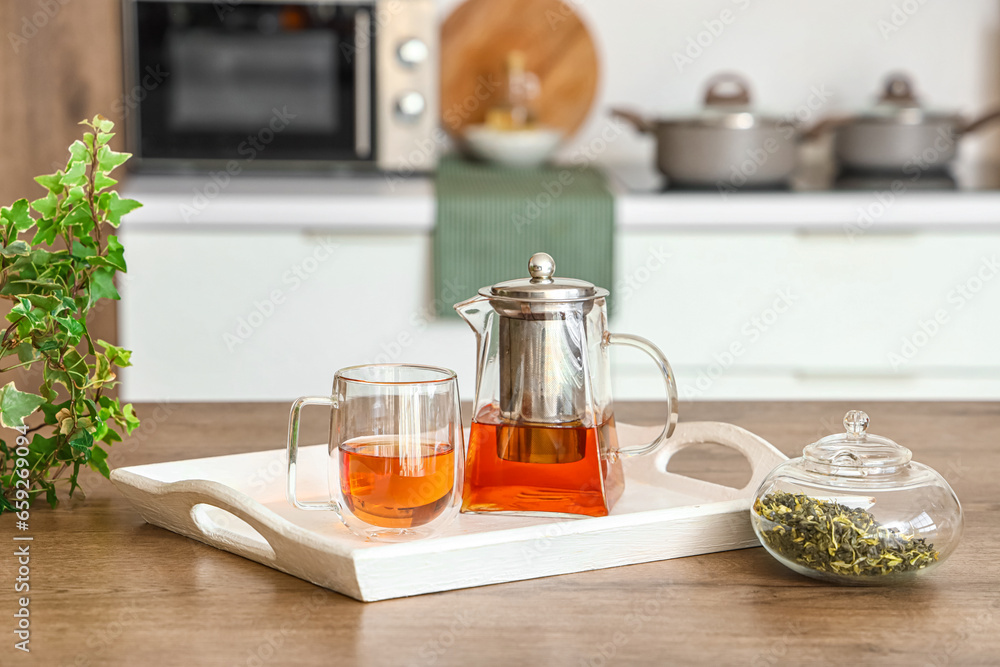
475, 41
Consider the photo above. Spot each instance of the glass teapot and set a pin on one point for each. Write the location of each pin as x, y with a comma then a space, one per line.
543, 437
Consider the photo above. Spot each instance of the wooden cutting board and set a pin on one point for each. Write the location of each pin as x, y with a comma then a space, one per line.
558, 48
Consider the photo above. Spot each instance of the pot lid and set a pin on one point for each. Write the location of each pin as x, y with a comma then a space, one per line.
899, 103
543, 286
726, 104
857, 449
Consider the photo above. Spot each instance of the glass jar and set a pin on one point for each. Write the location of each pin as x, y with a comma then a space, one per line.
854, 509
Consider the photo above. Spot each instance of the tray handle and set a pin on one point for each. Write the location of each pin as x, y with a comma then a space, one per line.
762, 455
182, 507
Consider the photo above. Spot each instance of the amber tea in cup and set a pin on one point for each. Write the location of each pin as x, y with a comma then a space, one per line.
396, 450
396, 485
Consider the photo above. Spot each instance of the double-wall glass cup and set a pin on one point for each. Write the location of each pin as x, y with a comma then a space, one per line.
396, 450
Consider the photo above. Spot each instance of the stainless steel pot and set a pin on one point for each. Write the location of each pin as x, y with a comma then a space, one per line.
900, 135
726, 145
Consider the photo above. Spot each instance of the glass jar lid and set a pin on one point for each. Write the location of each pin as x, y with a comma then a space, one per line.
542, 286
857, 451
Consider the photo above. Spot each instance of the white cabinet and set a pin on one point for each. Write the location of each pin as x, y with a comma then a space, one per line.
244, 314
256, 315
791, 314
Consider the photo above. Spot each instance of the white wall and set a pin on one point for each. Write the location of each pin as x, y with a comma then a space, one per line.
784, 47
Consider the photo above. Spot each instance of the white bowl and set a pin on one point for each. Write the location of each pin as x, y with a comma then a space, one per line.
513, 148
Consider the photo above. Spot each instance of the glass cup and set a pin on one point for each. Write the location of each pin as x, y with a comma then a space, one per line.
396, 450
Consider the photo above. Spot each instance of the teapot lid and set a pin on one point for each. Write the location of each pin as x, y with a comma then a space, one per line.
857, 449
542, 286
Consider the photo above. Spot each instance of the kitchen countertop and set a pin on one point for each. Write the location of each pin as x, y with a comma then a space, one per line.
108, 589
390, 204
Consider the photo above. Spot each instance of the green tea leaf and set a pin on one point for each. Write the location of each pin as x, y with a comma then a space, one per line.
16, 405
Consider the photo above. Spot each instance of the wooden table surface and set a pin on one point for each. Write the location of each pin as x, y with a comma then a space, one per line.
108, 589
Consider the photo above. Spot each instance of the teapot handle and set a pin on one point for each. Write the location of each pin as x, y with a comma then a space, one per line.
668, 378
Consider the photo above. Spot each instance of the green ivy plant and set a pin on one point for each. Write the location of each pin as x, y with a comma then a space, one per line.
54, 282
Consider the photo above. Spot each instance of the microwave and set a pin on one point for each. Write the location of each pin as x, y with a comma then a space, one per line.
266, 84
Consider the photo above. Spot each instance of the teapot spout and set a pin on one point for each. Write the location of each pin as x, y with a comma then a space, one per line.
475, 311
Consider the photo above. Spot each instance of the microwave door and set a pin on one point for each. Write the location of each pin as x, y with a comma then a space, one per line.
363, 85
260, 83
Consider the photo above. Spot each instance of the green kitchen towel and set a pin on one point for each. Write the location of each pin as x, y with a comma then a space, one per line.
491, 219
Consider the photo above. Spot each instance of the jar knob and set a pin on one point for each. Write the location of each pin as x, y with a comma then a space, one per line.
541, 267
856, 423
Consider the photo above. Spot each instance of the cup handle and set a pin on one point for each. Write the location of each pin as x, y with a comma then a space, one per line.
668, 377
293, 453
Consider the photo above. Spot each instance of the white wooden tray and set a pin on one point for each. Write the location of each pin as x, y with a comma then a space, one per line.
237, 504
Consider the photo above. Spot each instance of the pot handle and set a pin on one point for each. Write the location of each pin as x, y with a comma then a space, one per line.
825, 125
635, 119
716, 94
985, 119
668, 379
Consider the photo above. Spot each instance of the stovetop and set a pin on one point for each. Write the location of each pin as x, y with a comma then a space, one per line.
635, 179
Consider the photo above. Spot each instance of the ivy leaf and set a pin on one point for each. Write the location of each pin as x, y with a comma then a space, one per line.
16, 405
79, 151
50, 494
25, 352
117, 207
108, 160
131, 419
47, 205
117, 356
75, 175
116, 254
51, 182
99, 461
16, 249
83, 251
18, 214
102, 285
103, 181
82, 441
80, 218
72, 327
47, 230
102, 123
44, 302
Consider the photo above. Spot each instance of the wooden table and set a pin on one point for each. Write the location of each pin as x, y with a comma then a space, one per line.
107, 589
